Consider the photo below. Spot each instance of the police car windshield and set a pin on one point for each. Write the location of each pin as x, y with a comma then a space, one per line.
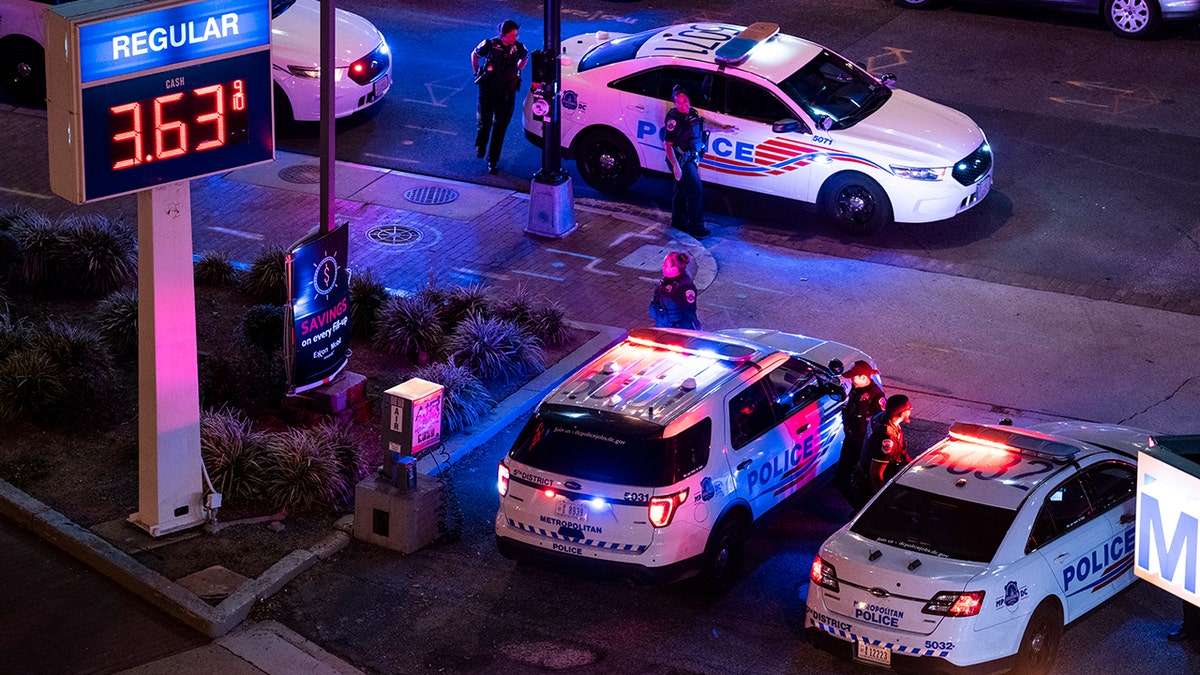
830, 86
614, 51
930, 523
280, 6
610, 454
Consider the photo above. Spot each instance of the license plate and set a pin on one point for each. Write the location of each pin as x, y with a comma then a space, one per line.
982, 189
381, 85
571, 510
874, 654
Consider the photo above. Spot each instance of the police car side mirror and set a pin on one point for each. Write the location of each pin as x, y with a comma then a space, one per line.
786, 126
888, 80
836, 366
825, 122
835, 391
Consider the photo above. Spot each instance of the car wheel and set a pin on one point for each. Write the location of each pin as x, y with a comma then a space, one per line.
723, 556
607, 161
1039, 644
918, 4
1134, 19
23, 69
856, 204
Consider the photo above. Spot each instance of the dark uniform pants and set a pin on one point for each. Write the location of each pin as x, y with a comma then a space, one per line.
687, 204
495, 111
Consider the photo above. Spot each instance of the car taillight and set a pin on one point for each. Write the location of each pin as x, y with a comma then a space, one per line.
662, 509
824, 575
502, 480
950, 603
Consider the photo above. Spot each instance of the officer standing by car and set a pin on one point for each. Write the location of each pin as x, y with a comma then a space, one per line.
684, 143
674, 302
864, 400
885, 447
498, 81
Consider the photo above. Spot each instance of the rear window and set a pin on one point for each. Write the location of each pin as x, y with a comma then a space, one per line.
596, 453
930, 523
614, 51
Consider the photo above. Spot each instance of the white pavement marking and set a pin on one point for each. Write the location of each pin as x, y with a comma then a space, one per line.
23, 193
590, 267
238, 233
432, 131
540, 276
649, 232
479, 273
759, 288
394, 159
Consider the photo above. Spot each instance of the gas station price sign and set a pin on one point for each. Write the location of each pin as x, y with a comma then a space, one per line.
149, 94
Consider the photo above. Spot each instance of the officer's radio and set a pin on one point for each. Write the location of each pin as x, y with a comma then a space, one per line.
542, 66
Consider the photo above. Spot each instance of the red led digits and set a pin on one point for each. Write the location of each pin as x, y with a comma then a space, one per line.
134, 134
239, 96
211, 117
218, 116
160, 128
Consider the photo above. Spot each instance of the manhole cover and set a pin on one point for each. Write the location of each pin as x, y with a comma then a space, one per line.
394, 235
430, 195
301, 173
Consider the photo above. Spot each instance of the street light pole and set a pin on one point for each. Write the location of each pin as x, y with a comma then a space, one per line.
551, 205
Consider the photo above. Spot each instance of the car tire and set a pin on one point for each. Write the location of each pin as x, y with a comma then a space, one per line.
607, 161
723, 556
1039, 644
23, 70
1133, 19
856, 204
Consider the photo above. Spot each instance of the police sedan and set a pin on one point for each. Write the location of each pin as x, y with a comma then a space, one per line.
803, 123
974, 557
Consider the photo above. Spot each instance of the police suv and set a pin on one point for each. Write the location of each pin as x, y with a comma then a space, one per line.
974, 556
652, 461
810, 125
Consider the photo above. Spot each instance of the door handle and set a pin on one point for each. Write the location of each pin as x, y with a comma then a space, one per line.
639, 108
1060, 556
803, 429
744, 464
1127, 518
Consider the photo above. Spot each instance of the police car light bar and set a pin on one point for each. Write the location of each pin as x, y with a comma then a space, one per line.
738, 48
1025, 442
690, 344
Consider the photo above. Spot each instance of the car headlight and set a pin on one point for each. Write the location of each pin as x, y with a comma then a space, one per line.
314, 72
920, 173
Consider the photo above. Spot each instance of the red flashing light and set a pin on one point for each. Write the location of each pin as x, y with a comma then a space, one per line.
823, 574
967, 604
662, 509
549, 493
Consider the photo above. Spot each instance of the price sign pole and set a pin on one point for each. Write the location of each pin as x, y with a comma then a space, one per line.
141, 98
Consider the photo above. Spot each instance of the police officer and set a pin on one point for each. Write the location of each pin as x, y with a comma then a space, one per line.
885, 446
498, 80
684, 145
674, 301
864, 400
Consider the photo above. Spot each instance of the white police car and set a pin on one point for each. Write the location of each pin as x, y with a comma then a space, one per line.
363, 73
810, 124
975, 555
652, 461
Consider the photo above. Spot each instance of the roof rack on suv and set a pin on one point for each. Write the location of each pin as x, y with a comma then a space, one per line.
1022, 440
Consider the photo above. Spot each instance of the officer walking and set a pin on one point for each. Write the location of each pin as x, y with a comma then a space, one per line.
674, 301
684, 143
864, 400
499, 79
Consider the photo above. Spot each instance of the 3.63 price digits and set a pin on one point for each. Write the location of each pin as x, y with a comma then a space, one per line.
176, 124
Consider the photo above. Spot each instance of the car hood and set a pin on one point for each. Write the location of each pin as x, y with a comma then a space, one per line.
296, 36
921, 132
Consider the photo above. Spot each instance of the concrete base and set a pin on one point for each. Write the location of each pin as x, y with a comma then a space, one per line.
551, 209
401, 521
344, 398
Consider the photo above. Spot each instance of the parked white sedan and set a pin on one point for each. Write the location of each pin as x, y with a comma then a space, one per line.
808, 124
974, 557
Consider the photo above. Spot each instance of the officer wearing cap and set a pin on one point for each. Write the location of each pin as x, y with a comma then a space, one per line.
684, 144
864, 400
498, 81
885, 444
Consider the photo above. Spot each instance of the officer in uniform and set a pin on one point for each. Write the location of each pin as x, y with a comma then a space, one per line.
498, 80
674, 301
885, 446
684, 144
864, 400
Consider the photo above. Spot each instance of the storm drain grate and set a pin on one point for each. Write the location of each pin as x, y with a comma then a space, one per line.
394, 235
430, 195
301, 173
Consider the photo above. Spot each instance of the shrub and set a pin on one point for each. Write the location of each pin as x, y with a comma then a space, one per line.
549, 324
367, 297
242, 378
465, 301
117, 319
266, 280
465, 399
99, 255
409, 325
42, 243
519, 307
31, 385
493, 347
14, 335
233, 453
13, 215
262, 327
301, 474
214, 268
79, 354
337, 440
11, 254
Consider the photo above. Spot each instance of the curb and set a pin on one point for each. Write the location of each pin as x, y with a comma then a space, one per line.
217, 621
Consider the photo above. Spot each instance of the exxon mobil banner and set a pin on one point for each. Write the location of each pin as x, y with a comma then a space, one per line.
320, 308
1168, 523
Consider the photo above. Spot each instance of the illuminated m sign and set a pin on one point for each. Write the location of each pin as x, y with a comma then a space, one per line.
1168, 520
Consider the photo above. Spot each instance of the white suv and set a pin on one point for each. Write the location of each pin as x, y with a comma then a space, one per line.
652, 461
